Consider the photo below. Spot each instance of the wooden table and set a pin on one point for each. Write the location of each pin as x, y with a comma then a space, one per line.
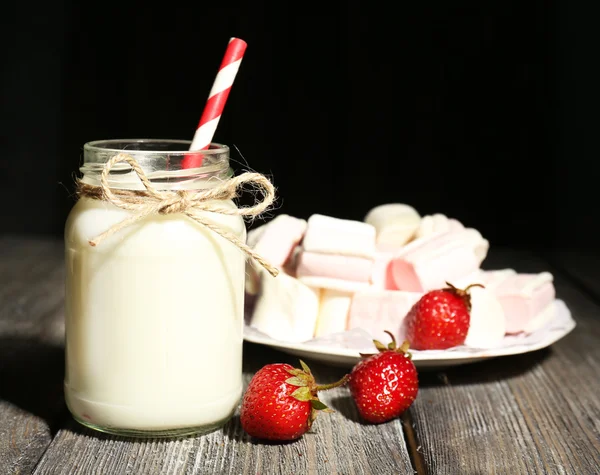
536, 413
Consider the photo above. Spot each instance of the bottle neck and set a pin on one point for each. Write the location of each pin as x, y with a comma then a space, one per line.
124, 178
162, 161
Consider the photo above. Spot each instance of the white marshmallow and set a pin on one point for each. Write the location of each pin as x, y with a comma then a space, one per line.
476, 277
476, 241
437, 223
494, 278
333, 312
488, 323
328, 235
541, 319
286, 309
395, 224
333, 284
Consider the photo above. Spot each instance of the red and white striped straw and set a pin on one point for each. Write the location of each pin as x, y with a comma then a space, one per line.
216, 101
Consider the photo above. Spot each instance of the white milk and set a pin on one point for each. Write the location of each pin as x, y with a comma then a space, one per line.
154, 319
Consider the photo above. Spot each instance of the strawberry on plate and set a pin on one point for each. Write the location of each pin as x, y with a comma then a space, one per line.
440, 319
281, 402
385, 384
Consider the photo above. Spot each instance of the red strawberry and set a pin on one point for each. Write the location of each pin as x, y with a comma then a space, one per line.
281, 402
385, 384
440, 319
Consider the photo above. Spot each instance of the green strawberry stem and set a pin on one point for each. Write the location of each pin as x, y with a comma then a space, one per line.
341, 382
308, 389
392, 346
463, 293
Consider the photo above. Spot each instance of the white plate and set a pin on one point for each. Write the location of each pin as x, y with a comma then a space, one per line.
345, 349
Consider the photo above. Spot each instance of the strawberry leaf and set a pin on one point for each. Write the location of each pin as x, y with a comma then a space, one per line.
295, 372
404, 347
302, 394
305, 367
296, 381
380, 346
318, 405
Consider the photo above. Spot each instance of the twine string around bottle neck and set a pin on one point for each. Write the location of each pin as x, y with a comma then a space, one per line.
150, 201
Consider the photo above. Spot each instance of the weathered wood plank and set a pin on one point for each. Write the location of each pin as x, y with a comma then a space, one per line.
534, 413
580, 265
31, 353
337, 444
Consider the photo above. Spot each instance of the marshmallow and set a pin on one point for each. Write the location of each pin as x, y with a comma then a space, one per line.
493, 278
292, 263
473, 278
541, 319
278, 238
429, 263
252, 279
487, 325
252, 285
275, 241
335, 266
395, 224
286, 309
381, 276
378, 310
478, 244
336, 254
328, 235
333, 284
333, 312
436, 224
441, 224
523, 297
254, 234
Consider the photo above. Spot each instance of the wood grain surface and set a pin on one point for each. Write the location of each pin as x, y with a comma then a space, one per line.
528, 414
338, 443
536, 413
31, 353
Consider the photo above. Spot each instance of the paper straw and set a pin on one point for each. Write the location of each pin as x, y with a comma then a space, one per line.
216, 101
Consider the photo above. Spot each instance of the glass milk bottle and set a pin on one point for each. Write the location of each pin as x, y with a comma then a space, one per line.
154, 312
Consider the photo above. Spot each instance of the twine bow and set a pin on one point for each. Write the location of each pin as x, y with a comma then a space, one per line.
150, 201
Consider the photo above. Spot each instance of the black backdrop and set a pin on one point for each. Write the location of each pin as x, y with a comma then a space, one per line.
484, 111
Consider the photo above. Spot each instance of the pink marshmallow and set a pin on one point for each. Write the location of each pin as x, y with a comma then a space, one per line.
279, 239
378, 310
524, 297
275, 241
336, 253
429, 263
381, 275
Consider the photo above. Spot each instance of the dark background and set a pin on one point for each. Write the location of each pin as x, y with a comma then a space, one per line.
484, 111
